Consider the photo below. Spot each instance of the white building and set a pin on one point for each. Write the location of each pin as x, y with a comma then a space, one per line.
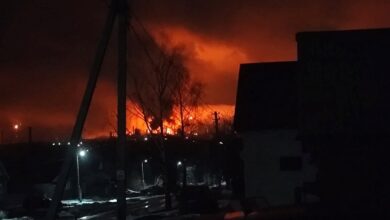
275, 165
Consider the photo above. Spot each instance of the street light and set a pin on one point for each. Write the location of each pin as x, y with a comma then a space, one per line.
142, 171
82, 153
16, 128
183, 167
79, 153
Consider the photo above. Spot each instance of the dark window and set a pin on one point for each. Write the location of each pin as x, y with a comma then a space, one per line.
290, 163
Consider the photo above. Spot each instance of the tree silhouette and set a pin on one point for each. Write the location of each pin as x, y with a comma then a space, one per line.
164, 84
187, 97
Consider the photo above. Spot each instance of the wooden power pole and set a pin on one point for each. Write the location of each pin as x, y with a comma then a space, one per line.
216, 124
121, 144
118, 8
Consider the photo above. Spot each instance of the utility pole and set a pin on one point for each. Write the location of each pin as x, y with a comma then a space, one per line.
1, 137
216, 124
143, 173
29, 134
121, 143
184, 173
79, 191
118, 8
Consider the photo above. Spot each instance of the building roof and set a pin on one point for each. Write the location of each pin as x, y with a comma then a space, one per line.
266, 97
351, 35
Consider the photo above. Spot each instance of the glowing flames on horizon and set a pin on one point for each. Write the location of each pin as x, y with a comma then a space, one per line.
198, 122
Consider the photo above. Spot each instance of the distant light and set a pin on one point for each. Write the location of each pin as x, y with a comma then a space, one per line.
68, 143
196, 134
179, 163
145, 161
146, 206
59, 143
82, 153
165, 138
16, 126
187, 137
221, 142
190, 118
81, 143
78, 145
146, 139
54, 144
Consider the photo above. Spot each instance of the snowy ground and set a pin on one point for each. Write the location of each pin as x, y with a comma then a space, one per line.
74, 202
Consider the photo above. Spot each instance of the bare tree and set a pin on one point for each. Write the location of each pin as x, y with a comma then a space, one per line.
156, 83
154, 97
154, 93
187, 97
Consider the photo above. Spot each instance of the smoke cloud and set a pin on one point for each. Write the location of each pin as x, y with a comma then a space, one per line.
47, 48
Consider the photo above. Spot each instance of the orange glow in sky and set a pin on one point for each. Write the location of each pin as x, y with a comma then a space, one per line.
46, 54
205, 55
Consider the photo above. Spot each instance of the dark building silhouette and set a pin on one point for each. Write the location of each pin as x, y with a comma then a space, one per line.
266, 97
266, 118
345, 116
332, 103
344, 81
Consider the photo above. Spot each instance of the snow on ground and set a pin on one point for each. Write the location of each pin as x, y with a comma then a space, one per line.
76, 202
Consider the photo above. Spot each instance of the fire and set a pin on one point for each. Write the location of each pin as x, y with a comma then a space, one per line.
198, 122
204, 56
169, 131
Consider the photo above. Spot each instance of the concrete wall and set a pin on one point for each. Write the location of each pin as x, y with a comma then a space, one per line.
263, 177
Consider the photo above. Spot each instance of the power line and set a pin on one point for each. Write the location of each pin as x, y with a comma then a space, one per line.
148, 55
145, 30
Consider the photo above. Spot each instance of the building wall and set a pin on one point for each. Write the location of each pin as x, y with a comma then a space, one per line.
344, 99
262, 155
266, 97
344, 81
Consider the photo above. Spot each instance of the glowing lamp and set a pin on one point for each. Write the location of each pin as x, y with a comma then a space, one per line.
82, 153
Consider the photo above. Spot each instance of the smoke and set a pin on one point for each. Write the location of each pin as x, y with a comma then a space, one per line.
47, 48
248, 31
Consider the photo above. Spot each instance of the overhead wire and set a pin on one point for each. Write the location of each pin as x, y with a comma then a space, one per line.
146, 33
145, 30
144, 47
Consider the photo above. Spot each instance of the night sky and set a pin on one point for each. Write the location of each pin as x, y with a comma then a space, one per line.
46, 49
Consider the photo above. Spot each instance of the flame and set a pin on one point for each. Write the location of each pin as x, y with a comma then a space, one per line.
197, 122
